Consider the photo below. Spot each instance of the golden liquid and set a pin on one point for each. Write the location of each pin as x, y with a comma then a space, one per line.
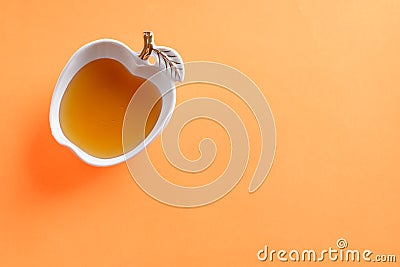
94, 104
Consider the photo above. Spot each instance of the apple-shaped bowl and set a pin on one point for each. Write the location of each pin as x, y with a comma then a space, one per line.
113, 49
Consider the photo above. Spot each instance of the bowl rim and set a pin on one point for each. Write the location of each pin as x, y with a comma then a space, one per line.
114, 49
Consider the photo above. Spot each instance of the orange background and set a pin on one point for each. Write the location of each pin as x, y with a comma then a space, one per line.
330, 72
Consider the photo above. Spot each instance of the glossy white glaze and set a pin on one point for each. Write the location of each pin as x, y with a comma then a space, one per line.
109, 48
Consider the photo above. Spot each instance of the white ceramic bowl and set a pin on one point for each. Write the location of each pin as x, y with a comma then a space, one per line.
108, 48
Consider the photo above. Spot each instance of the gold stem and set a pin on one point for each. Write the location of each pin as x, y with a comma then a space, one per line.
148, 45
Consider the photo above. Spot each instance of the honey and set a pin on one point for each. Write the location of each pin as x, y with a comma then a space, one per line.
93, 108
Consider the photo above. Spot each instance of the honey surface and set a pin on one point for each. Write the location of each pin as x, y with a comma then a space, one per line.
94, 104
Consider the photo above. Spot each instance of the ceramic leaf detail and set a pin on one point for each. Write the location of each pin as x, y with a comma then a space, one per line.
167, 59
